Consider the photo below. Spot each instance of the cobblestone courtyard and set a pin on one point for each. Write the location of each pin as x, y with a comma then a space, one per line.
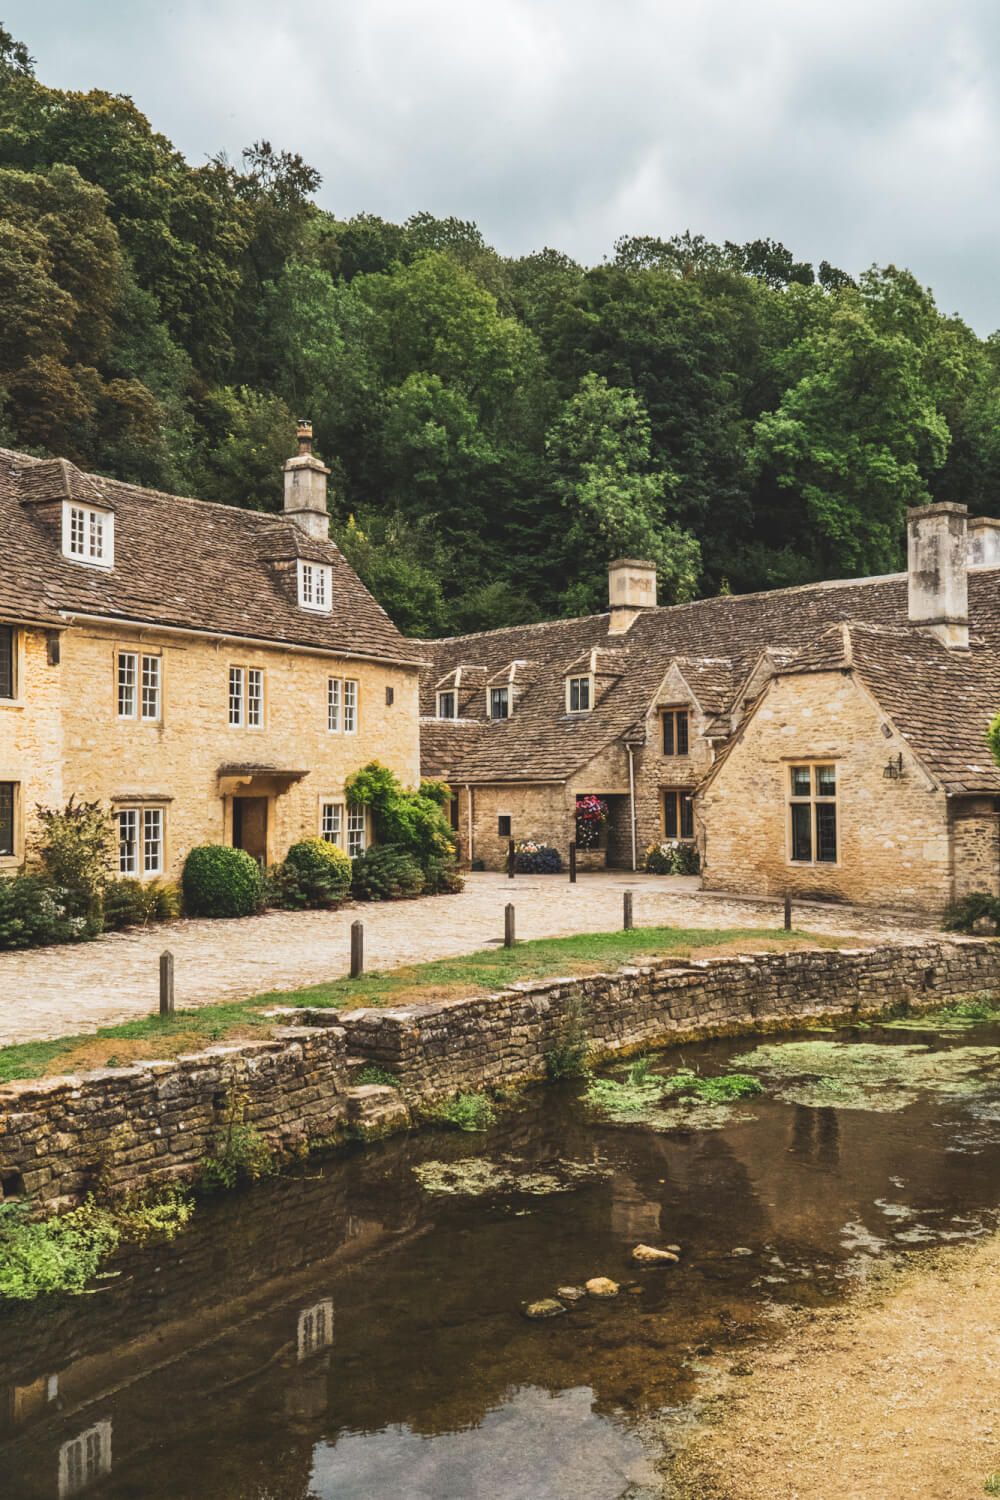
48, 992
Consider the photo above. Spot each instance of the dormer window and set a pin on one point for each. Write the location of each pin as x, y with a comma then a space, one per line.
315, 586
500, 703
579, 695
446, 706
88, 535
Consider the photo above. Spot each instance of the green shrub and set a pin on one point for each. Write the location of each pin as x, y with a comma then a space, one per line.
73, 848
323, 872
568, 1058
442, 877
963, 914
281, 888
672, 857
33, 912
372, 1073
240, 1153
221, 882
465, 1112
134, 903
43, 1256
413, 821
385, 873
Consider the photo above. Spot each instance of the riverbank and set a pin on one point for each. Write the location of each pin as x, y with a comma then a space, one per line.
894, 1396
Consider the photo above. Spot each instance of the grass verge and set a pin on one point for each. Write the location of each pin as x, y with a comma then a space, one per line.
474, 973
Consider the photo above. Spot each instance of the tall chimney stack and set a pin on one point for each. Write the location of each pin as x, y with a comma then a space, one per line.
937, 572
305, 487
631, 589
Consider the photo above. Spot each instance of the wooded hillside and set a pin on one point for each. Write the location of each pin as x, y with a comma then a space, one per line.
497, 428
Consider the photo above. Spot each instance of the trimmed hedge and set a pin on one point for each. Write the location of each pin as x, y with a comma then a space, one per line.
385, 873
536, 859
221, 882
323, 872
34, 912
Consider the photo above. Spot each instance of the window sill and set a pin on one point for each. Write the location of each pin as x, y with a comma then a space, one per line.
814, 864
18, 704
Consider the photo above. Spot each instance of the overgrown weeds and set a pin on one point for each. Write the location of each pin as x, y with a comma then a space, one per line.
241, 1154
568, 1058
470, 1112
372, 1073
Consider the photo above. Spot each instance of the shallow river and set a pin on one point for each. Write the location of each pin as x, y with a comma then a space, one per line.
357, 1330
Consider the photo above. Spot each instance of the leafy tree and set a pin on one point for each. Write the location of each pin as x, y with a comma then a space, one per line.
14, 55
248, 435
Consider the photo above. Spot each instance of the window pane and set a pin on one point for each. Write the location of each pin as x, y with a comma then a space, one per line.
127, 664
96, 534
574, 695
668, 734
236, 695
682, 733
77, 531
584, 693
150, 687
152, 841
670, 815
128, 856
255, 697
333, 704
6, 661
802, 831
355, 831
498, 703
350, 705
446, 705
6, 817
687, 816
331, 822
801, 781
826, 832
826, 781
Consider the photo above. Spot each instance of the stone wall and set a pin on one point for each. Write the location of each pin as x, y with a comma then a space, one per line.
480, 1043
31, 743
975, 828
128, 1128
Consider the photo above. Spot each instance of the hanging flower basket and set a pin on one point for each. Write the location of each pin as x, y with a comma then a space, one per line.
591, 816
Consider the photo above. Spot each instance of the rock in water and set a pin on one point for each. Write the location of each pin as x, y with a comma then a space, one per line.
602, 1286
646, 1255
570, 1293
545, 1307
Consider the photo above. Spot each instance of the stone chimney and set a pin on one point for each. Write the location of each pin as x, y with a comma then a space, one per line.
305, 487
937, 567
984, 542
631, 589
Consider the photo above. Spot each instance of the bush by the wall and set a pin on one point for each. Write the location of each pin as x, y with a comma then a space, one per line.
323, 872
963, 914
33, 912
385, 873
221, 882
442, 877
671, 858
134, 903
411, 821
534, 858
73, 847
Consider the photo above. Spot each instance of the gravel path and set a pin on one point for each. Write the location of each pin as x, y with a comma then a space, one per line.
50, 992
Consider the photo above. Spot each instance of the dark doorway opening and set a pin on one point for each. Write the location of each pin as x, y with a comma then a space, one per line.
250, 826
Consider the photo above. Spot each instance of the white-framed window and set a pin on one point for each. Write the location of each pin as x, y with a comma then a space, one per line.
149, 706
331, 822
84, 1459
357, 832
578, 695
255, 697
8, 813
140, 840
499, 703
446, 705
333, 701
88, 535
350, 705
812, 813
315, 586
246, 697
128, 663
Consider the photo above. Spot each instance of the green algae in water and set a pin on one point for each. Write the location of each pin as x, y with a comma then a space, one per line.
865, 1075
478, 1177
679, 1101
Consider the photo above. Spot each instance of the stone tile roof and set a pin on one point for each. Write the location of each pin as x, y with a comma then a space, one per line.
938, 697
178, 562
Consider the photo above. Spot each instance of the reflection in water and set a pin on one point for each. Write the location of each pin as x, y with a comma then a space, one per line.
216, 1358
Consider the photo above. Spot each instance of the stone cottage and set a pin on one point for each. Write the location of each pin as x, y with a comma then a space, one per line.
210, 674
824, 740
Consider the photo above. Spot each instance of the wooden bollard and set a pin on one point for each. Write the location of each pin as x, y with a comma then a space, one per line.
627, 914
788, 914
508, 925
572, 862
511, 860
357, 949
166, 983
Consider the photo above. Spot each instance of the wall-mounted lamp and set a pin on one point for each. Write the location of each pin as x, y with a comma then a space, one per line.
894, 769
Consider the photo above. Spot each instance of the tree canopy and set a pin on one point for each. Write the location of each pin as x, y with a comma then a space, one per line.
497, 427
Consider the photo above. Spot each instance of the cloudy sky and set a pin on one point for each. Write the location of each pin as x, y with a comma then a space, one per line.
862, 131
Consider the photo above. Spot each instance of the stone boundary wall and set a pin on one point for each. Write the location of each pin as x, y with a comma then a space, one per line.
129, 1128
125, 1129
499, 1039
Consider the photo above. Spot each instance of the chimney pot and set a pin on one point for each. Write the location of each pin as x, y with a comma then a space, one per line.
937, 572
305, 487
304, 432
631, 589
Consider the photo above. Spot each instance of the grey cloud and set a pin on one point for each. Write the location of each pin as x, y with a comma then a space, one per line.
862, 132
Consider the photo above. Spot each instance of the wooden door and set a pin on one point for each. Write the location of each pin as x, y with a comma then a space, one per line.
250, 826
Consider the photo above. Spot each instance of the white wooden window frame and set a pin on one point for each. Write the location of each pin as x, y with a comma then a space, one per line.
331, 821
141, 840
255, 698
502, 694
357, 831
84, 1459
128, 684
315, 586
350, 705
88, 535
334, 704
150, 688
